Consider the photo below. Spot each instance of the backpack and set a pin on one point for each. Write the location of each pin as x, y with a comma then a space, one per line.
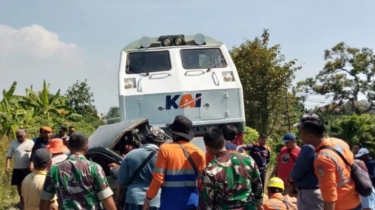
361, 178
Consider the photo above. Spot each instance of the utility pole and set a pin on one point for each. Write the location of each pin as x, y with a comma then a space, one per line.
287, 115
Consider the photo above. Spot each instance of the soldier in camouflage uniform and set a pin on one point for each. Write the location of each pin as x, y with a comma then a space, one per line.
231, 180
78, 183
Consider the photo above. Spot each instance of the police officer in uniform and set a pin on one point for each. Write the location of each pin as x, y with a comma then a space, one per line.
261, 153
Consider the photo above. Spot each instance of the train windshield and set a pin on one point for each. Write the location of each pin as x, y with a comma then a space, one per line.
147, 62
202, 58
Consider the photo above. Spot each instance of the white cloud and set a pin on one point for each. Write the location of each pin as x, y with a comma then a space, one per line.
31, 54
35, 41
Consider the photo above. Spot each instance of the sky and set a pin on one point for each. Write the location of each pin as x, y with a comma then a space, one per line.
65, 41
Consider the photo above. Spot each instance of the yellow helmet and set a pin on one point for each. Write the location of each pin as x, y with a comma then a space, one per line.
276, 182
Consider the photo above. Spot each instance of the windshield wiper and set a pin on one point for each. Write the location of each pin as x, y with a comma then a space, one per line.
141, 71
215, 65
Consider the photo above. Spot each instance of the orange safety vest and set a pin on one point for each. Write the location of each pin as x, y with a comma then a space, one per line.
335, 182
279, 202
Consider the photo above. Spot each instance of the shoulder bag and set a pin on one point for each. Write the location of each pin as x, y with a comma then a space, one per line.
361, 178
122, 198
294, 160
190, 160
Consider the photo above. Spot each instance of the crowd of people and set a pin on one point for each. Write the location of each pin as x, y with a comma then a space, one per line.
52, 172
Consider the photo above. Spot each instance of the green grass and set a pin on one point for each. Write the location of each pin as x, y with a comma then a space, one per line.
8, 193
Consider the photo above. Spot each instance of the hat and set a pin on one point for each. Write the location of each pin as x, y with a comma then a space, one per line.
361, 152
42, 157
56, 146
46, 129
63, 128
158, 133
288, 137
276, 182
181, 126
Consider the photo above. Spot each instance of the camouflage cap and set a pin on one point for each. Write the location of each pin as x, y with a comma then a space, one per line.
158, 133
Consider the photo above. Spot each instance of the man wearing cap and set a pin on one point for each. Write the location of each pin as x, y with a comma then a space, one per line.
136, 190
78, 182
20, 149
58, 149
32, 185
178, 167
41, 142
364, 155
286, 159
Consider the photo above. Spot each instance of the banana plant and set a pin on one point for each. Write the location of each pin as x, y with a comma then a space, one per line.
11, 115
44, 103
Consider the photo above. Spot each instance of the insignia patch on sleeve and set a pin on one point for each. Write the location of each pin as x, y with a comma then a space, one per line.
320, 170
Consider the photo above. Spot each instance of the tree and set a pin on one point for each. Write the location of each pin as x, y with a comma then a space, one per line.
265, 78
81, 99
114, 112
348, 72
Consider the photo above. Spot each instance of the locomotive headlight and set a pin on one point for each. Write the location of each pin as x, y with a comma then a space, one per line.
228, 78
178, 41
166, 42
172, 40
129, 83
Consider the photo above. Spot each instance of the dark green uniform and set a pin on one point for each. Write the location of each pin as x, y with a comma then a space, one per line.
231, 181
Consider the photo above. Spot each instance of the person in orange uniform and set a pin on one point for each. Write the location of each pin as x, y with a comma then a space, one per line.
178, 168
337, 188
276, 199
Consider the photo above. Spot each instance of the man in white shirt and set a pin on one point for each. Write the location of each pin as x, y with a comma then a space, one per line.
20, 149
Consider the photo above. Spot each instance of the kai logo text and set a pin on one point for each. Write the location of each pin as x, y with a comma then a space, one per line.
184, 101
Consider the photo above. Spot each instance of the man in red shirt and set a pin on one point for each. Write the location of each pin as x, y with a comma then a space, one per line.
286, 159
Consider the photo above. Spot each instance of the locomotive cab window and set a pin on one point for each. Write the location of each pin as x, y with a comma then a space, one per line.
202, 58
147, 62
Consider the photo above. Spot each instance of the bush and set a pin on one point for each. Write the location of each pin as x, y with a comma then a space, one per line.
8, 194
356, 129
250, 135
